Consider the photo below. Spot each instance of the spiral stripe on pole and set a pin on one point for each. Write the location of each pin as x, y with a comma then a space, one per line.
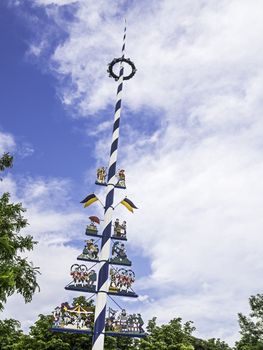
103, 278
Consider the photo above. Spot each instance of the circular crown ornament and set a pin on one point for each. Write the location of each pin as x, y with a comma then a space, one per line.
117, 60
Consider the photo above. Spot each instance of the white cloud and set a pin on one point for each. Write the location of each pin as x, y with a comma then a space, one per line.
186, 54
25, 150
197, 178
201, 223
7, 142
54, 225
54, 260
50, 210
99, 128
55, 2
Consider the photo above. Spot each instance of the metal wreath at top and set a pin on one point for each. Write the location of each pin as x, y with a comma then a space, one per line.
117, 60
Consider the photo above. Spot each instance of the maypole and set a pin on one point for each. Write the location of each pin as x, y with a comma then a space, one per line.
103, 279
118, 281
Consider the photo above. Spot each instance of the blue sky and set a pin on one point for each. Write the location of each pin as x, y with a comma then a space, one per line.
31, 108
51, 141
51, 144
191, 144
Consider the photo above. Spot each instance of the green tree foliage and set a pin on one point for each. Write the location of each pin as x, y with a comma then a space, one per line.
251, 327
41, 338
6, 161
177, 336
10, 333
16, 273
173, 336
211, 344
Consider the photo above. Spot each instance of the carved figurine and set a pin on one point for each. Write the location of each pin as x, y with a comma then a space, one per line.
119, 255
57, 316
82, 277
72, 317
110, 320
121, 281
123, 229
119, 229
124, 323
101, 175
121, 178
91, 250
123, 320
92, 278
140, 323
92, 228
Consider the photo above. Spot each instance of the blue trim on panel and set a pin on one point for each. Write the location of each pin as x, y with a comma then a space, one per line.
69, 330
119, 263
81, 289
119, 238
130, 335
93, 235
122, 294
100, 183
87, 259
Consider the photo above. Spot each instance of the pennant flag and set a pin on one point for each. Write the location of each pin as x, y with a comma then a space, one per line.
128, 204
91, 198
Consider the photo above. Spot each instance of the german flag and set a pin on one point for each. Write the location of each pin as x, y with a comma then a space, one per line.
128, 204
91, 198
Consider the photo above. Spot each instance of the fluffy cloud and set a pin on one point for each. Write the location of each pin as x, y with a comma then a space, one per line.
201, 224
55, 226
7, 142
193, 149
187, 53
55, 2
50, 210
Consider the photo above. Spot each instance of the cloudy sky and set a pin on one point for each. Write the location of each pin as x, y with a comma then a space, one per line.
191, 144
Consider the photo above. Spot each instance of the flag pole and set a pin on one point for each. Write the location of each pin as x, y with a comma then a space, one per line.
103, 275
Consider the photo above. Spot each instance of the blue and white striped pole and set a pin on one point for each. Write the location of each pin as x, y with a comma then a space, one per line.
103, 276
